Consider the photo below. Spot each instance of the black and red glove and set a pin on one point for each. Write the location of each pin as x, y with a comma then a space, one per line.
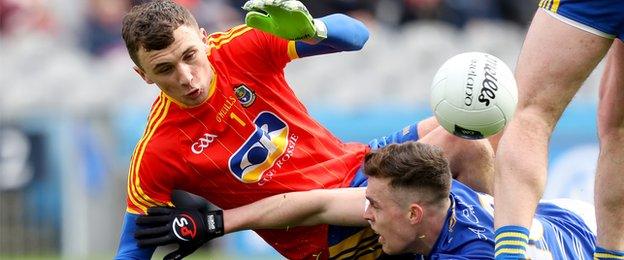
190, 224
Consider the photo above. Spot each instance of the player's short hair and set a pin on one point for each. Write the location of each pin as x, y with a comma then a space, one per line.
412, 166
150, 25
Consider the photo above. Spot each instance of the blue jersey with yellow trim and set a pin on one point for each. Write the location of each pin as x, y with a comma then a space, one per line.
467, 232
558, 230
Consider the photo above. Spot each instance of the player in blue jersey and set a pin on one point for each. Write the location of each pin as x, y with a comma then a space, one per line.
415, 207
565, 42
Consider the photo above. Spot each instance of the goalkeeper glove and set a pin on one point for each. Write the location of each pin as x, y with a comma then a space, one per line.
287, 19
190, 224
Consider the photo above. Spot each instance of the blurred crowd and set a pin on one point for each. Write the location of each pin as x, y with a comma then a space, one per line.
97, 22
74, 47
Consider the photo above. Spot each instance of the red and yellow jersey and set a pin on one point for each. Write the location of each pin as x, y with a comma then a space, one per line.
251, 139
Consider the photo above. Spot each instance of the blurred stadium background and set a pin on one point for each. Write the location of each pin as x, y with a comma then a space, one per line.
72, 109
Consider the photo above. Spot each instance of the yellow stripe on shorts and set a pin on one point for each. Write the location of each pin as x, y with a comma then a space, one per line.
361, 245
551, 5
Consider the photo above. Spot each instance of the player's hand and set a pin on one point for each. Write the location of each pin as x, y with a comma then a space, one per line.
190, 224
287, 19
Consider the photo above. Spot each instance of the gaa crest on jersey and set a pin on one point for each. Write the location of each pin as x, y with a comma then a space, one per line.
245, 95
261, 149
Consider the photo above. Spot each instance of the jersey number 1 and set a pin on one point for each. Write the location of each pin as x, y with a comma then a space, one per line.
237, 119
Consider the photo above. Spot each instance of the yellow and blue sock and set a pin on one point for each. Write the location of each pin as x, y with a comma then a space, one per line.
604, 254
511, 242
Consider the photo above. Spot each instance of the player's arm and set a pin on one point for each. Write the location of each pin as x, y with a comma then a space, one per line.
431, 123
343, 34
189, 223
128, 248
330, 206
154, 189
165, 225
128, 245
290, 20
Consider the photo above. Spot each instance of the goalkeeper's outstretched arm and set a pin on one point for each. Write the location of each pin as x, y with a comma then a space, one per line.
290, 20
343, 206
343, 34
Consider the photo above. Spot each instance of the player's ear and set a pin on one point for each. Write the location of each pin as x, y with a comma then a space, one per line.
204, 35
416, 214
141, 73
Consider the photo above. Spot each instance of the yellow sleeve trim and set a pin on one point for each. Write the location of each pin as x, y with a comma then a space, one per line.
131, 211
292, 50
135, 193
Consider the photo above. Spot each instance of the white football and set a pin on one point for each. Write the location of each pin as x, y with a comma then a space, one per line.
474, 95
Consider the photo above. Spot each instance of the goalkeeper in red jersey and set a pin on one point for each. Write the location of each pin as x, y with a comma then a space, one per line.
227, 126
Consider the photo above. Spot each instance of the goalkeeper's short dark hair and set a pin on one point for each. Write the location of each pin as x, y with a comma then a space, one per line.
150, 25
414, 166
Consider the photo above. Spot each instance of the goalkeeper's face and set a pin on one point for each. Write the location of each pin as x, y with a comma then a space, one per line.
181, 70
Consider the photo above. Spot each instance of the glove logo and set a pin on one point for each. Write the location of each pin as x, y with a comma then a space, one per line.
261, 149
245, 95
184, 227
